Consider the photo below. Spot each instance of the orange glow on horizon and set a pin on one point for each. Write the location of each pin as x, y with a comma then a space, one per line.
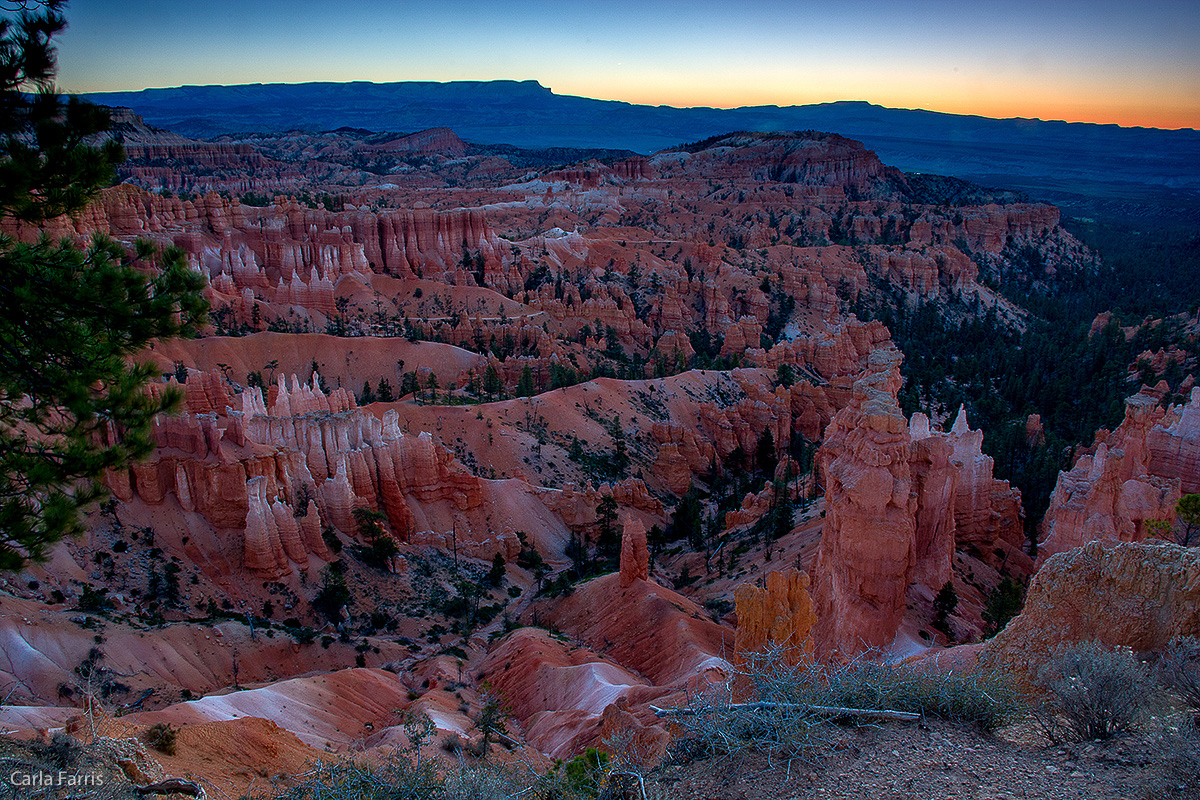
1169, 111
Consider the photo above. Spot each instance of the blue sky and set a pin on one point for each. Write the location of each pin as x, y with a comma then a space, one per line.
1097, 61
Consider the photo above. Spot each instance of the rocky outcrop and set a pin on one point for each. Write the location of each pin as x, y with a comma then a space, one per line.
649, 629
987, 512
1110, 494
776, 619
275, 473
1174, 445
935, 481
578, 507
804, 158
901, 498
868, 548
635, 557
1130, 595
567, 697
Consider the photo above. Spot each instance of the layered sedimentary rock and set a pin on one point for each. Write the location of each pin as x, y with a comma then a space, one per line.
1110, 494
635, 557
777, 618
901, 498
1174, 445
742, 257
280, 265
868, 547
935, 481
276, 473
566, 697
987, 512
1125, 594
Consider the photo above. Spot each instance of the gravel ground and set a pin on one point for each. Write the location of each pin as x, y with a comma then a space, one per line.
938, 759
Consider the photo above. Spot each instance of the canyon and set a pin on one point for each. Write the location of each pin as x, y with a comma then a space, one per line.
582, 436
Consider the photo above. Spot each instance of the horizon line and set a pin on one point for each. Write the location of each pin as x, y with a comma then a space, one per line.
549, 89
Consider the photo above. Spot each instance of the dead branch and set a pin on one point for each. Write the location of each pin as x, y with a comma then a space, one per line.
173, 786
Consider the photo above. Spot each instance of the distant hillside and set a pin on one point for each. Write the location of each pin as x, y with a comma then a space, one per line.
1056, 160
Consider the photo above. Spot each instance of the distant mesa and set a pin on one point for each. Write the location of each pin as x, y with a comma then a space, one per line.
1019, 153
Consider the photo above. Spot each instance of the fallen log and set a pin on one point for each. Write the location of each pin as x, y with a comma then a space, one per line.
832, 711
173, 786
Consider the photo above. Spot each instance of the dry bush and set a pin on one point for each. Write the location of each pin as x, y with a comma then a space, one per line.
1179, 670
982, 697
398, 779
161, 737
1093, 692
66, 755
479, 783
1181, 760
787, 711
712, 727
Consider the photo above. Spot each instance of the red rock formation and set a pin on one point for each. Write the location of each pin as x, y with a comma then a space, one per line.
778, 617
987, 512
900, 499
1129, 595
1174, 445
935, 480
649, 629
635, 558
805, 158
868, 547
1110, 494
563, 694
430, 140
671, 467
206, 393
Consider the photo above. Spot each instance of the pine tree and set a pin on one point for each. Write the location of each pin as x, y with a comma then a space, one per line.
72, 404
608, 543
525, 384
367, 396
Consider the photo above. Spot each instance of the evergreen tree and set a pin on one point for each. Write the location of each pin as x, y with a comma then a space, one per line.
525, 384
608, 543
72, 403
686, 523
492, 385
944, 604
409, 384
1188, 510
495, 575
381, 547
764, 454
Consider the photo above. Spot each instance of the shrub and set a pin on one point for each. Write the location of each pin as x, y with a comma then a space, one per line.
333, 594
981, 697
584, 774
1093, 692
1180, 758
789, 712
1003, 603
161, 737
94, 600
479, 783
1179, 669
944, 605
398, 779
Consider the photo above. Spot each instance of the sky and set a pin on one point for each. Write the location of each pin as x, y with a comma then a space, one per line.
1129, 63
